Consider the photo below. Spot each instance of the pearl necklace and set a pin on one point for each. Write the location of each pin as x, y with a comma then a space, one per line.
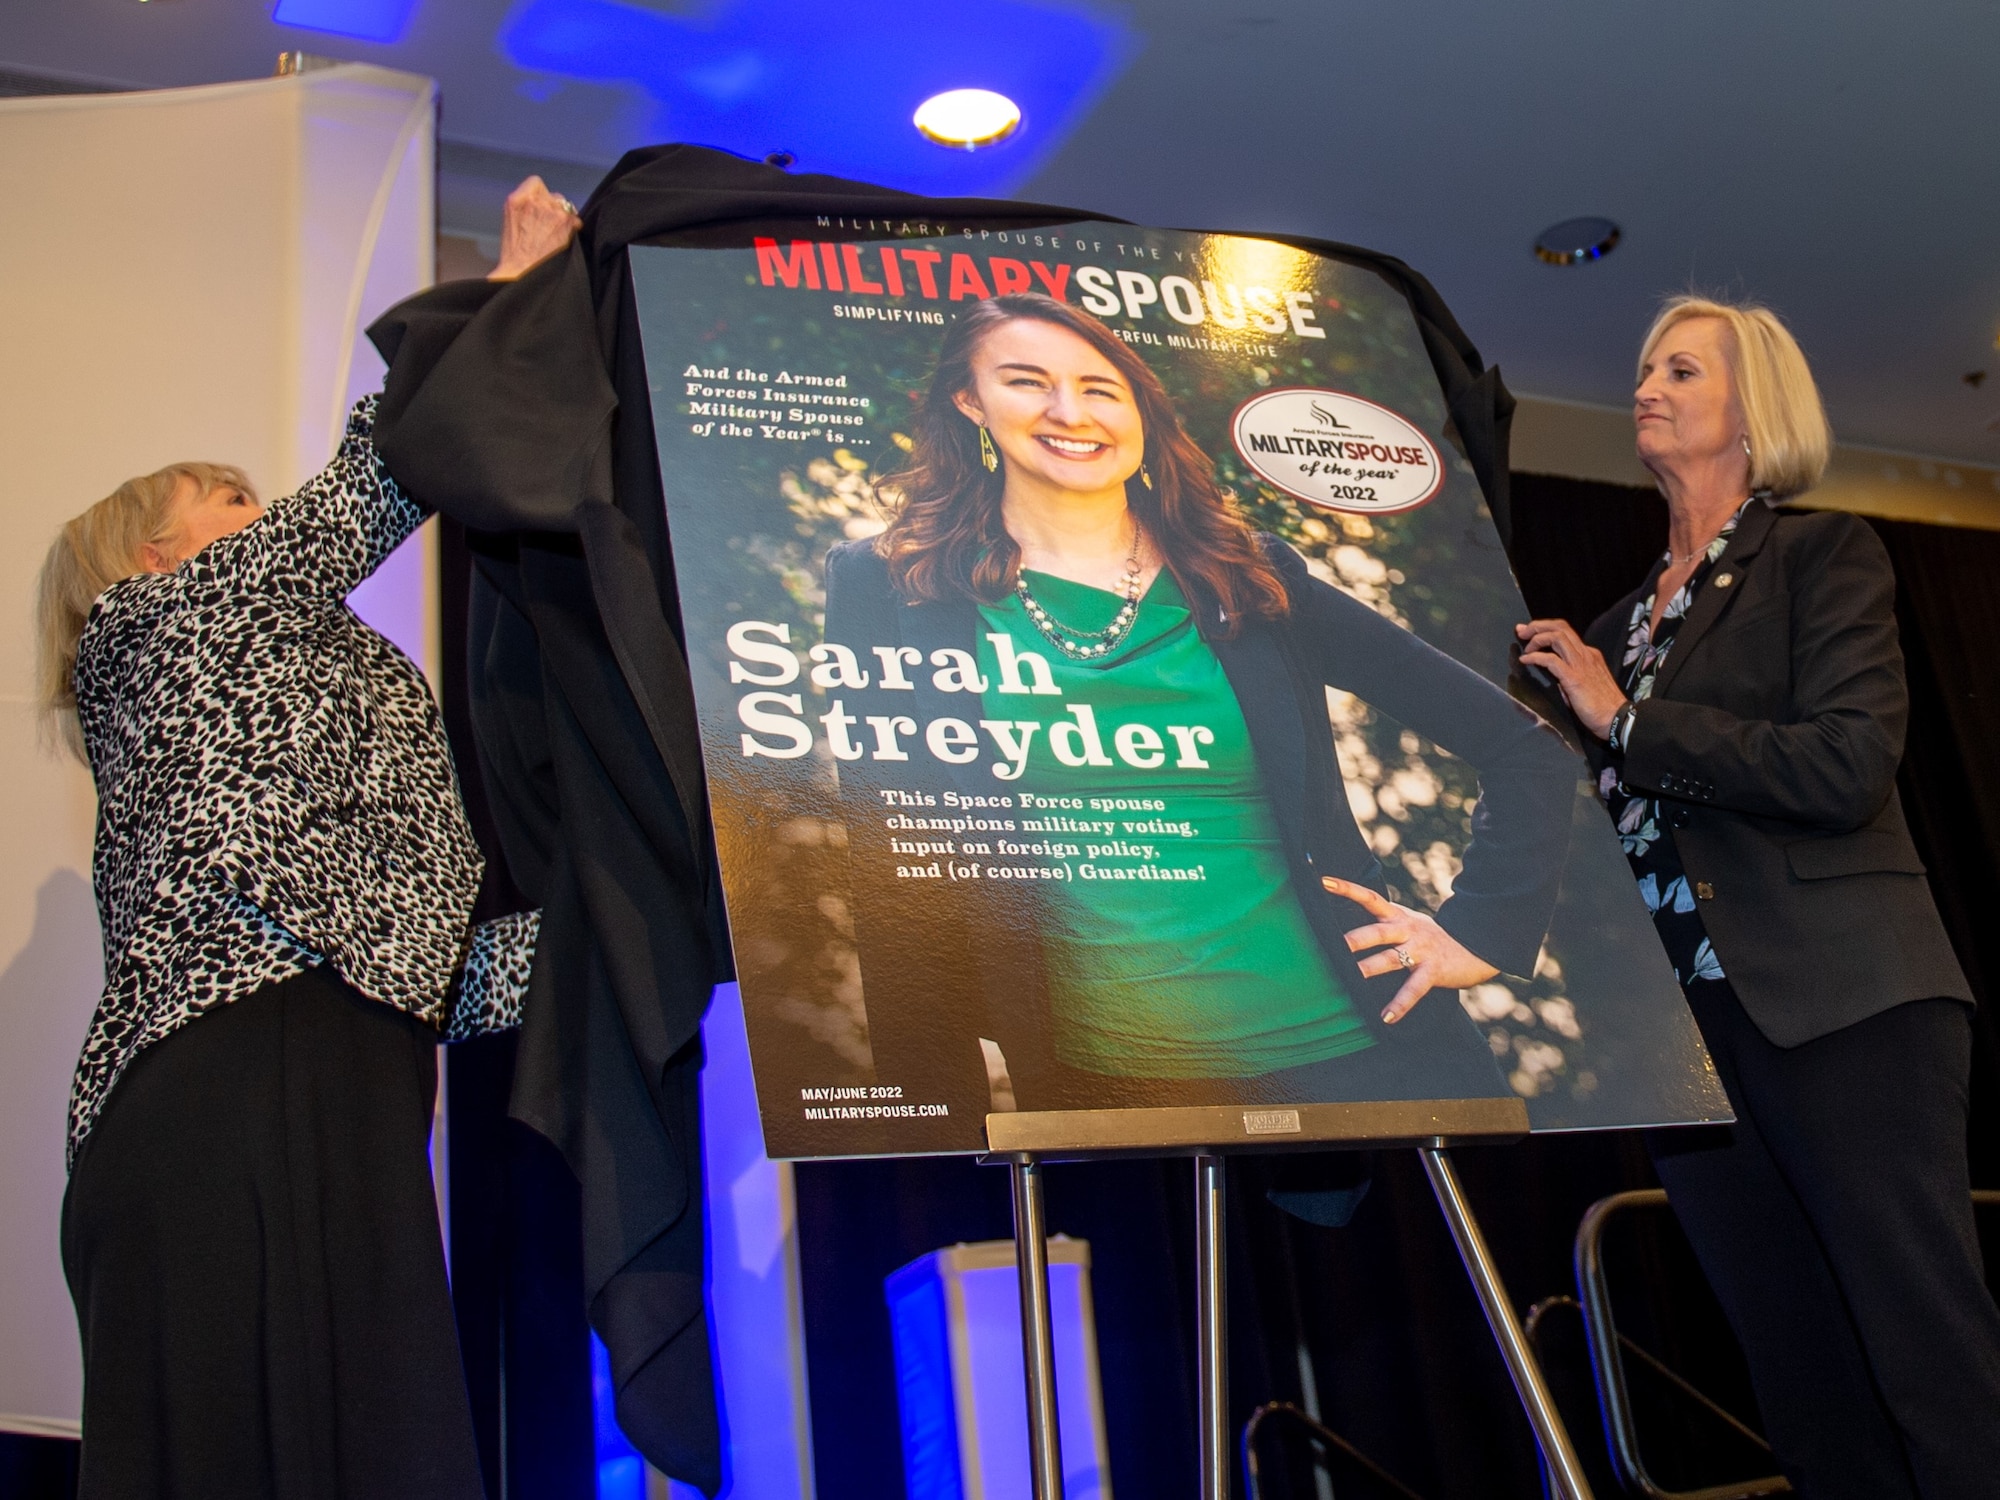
1079, 645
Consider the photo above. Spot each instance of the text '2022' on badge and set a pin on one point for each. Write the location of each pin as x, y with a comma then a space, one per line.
1337, 451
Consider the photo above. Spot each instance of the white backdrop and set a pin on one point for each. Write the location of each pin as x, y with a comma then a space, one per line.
186, 274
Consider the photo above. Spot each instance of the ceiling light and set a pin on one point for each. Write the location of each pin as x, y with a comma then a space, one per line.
368, 20
968, 118
1575, 241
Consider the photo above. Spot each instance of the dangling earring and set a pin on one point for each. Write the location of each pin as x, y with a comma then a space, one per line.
987, 454
1746, 446
1145, 475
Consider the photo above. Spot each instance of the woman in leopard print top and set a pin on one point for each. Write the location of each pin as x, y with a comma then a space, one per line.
274, 788
285, 879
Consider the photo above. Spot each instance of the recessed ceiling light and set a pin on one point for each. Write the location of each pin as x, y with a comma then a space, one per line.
968, 118
1575, 241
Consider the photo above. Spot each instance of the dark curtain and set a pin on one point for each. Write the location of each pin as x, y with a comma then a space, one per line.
1377, 1316
1950, 617
515, 1210
37, 1468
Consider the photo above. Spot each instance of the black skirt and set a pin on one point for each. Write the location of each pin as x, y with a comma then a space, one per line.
252, 1244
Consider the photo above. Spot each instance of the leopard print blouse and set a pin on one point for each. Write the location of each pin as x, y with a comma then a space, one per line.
274, 787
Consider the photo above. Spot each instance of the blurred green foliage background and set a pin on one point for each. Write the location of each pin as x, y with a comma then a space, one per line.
1590, 1038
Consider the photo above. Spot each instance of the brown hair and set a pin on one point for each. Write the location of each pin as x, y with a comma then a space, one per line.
947, 537
92, 552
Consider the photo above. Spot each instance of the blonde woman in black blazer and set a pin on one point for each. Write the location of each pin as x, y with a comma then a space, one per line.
1747, 707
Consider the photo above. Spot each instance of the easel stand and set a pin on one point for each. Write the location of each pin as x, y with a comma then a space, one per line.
1038, 1343
1028, 1139
1565, 1474
1211, 1314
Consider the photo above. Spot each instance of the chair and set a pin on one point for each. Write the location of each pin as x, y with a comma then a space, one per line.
1608, 1348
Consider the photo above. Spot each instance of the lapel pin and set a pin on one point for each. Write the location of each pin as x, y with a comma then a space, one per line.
1723, 580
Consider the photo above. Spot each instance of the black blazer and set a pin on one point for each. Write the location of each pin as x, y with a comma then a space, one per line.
1772, 738
1280, 670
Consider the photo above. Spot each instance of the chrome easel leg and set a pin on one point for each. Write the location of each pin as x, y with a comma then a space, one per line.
1562, 1470
1038, 1349
1213, 1317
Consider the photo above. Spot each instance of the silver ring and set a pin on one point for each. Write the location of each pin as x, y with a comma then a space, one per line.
568, 207
1403, 958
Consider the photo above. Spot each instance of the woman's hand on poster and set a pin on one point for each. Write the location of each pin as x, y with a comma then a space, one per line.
1411, 942
1592, 693
534, 225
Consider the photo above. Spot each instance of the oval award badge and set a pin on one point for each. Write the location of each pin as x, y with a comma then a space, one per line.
1337, 451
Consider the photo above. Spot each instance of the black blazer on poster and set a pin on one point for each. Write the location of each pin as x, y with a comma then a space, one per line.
1772, 738
979, 940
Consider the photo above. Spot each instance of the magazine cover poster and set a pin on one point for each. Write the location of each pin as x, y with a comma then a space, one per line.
1101, 646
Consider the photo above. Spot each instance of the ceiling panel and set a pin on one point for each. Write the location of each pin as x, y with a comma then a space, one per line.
1837, 159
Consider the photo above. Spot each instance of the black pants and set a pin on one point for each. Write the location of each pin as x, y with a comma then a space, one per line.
252, 1245
1834, 1221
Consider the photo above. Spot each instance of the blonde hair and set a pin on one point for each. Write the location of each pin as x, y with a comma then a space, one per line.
1790, 440
92, 552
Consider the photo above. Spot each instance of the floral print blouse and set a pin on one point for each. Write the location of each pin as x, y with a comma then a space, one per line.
1642, 827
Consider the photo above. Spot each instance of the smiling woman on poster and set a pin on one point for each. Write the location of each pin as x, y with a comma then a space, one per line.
1156, 885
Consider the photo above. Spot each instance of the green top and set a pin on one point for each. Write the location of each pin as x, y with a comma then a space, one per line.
1176, 946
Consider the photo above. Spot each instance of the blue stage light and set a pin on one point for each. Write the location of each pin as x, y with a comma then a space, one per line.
621, 1472
369, 20
838, 84
755, 1307
920, 1326
955, 1318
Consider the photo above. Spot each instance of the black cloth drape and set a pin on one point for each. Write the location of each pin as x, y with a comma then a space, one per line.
515, 1210
521, 411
